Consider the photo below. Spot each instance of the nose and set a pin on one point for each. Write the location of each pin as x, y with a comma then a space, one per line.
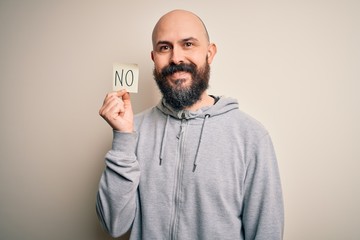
177, 56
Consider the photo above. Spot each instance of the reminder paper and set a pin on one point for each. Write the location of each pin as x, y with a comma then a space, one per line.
125, 76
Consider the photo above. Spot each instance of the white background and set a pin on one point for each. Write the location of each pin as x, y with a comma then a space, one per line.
293, 65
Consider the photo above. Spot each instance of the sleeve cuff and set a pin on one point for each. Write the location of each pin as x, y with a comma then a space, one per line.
125, 142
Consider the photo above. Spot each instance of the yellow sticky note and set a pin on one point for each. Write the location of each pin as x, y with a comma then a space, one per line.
125, 76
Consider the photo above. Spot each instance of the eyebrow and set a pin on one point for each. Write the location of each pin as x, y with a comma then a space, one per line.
189, 39
162, 42
182, 40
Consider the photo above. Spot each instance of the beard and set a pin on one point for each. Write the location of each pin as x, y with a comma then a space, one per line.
178, 96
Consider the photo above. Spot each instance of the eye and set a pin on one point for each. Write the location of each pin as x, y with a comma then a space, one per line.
164, 48
188, 44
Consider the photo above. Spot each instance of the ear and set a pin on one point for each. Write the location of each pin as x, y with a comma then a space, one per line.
152, 55
211, 52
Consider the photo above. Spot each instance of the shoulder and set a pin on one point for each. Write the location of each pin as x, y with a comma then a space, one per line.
149, 115
243, 123
249, 123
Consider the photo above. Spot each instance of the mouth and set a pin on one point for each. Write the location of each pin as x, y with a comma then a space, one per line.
179, 77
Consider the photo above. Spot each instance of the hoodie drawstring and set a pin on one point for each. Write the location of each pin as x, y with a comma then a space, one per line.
163, 140
198, 147
162, 148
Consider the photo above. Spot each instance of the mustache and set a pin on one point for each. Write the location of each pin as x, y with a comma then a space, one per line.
182, 67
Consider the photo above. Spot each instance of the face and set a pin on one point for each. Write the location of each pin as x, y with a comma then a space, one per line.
182, 55
177, 94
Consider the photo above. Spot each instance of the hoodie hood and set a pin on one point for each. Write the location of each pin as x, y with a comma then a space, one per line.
222, 105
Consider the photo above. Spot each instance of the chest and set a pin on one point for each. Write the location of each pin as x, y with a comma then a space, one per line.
168, 156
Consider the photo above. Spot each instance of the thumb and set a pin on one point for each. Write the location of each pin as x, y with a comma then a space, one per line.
125, 97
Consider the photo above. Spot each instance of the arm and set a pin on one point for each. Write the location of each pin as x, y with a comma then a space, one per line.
116, 199
263, 213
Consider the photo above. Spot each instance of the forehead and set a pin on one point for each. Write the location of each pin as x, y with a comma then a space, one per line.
177, 26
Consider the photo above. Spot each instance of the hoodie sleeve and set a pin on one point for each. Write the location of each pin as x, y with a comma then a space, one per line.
263, 213
116, 198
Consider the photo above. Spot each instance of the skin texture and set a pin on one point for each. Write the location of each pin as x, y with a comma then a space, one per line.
178, 37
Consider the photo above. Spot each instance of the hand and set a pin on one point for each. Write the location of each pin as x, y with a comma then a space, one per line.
117, 111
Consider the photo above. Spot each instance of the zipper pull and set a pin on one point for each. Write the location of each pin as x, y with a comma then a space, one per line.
182, 126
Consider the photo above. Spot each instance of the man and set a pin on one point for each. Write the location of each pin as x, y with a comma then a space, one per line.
194, 166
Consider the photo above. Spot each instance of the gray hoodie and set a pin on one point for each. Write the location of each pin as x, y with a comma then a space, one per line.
209, 174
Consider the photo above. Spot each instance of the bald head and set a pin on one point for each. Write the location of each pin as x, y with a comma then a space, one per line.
180, 22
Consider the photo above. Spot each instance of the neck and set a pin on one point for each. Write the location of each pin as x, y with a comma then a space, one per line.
204, 101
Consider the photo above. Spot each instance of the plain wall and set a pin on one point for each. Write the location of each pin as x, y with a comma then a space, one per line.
293, 65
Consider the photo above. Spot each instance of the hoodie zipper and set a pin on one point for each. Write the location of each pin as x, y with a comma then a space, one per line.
178, 181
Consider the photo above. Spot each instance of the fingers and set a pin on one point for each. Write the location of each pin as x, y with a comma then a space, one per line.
111, 105
116, 95
113, 102
121, 93
117, 111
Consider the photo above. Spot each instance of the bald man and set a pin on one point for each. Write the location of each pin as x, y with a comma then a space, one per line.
194, 166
